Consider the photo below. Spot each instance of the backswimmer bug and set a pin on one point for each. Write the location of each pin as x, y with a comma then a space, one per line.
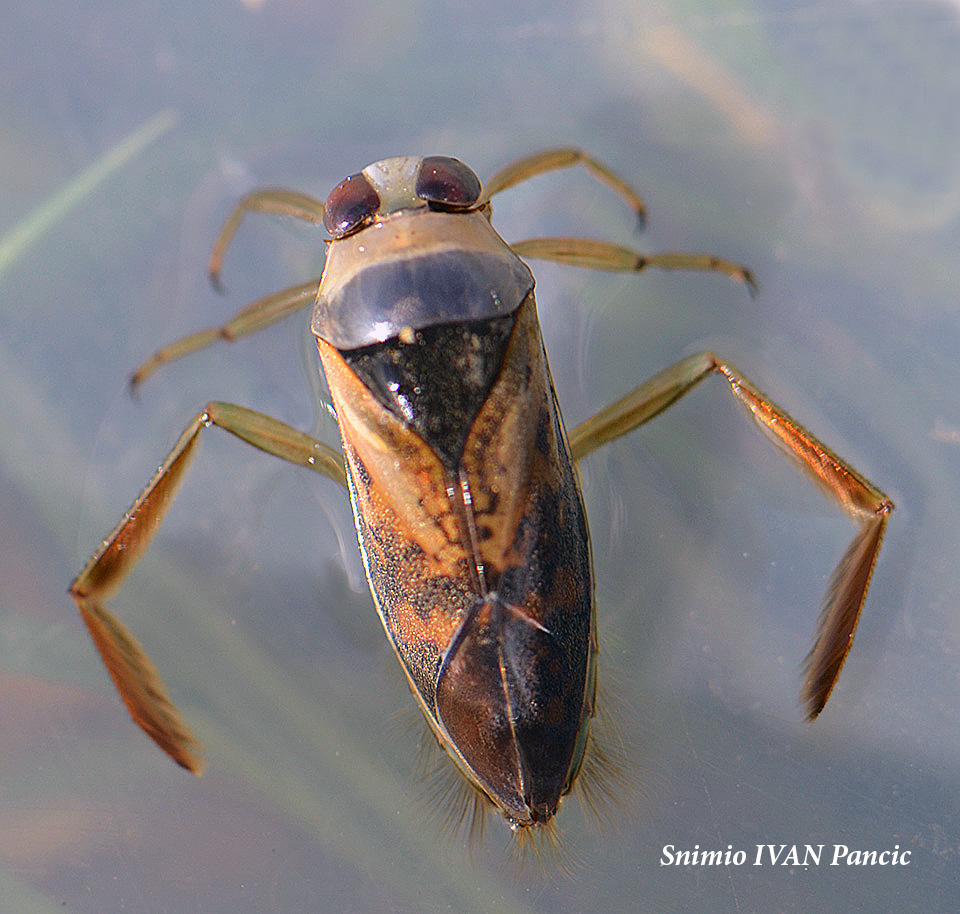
461, 474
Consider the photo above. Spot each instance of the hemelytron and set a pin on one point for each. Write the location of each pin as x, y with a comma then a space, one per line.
461, 474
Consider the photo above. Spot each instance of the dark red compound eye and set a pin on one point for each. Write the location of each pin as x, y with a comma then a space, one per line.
447, 182
350, 205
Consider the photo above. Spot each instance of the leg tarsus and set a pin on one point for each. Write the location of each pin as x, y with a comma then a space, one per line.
139, 684
842, 604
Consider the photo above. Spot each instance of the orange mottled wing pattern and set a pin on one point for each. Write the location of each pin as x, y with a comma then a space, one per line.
530, 519
529, 528
413, 544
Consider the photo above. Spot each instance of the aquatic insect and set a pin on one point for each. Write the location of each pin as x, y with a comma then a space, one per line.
461, 474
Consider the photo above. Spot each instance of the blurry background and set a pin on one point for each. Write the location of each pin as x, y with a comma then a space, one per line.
816, 142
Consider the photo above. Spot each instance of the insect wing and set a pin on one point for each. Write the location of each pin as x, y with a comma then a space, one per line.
482, 577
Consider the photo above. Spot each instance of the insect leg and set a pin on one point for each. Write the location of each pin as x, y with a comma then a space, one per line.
263, 312
267, 200
134, 675
562, 157
866, 504
602, 255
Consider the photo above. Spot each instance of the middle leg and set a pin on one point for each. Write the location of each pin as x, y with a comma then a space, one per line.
603, 255
263, 312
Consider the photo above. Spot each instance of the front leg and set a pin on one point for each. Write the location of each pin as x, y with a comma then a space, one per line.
277, 200
554, 159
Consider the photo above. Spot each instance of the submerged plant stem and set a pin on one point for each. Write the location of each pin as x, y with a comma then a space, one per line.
19, 239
